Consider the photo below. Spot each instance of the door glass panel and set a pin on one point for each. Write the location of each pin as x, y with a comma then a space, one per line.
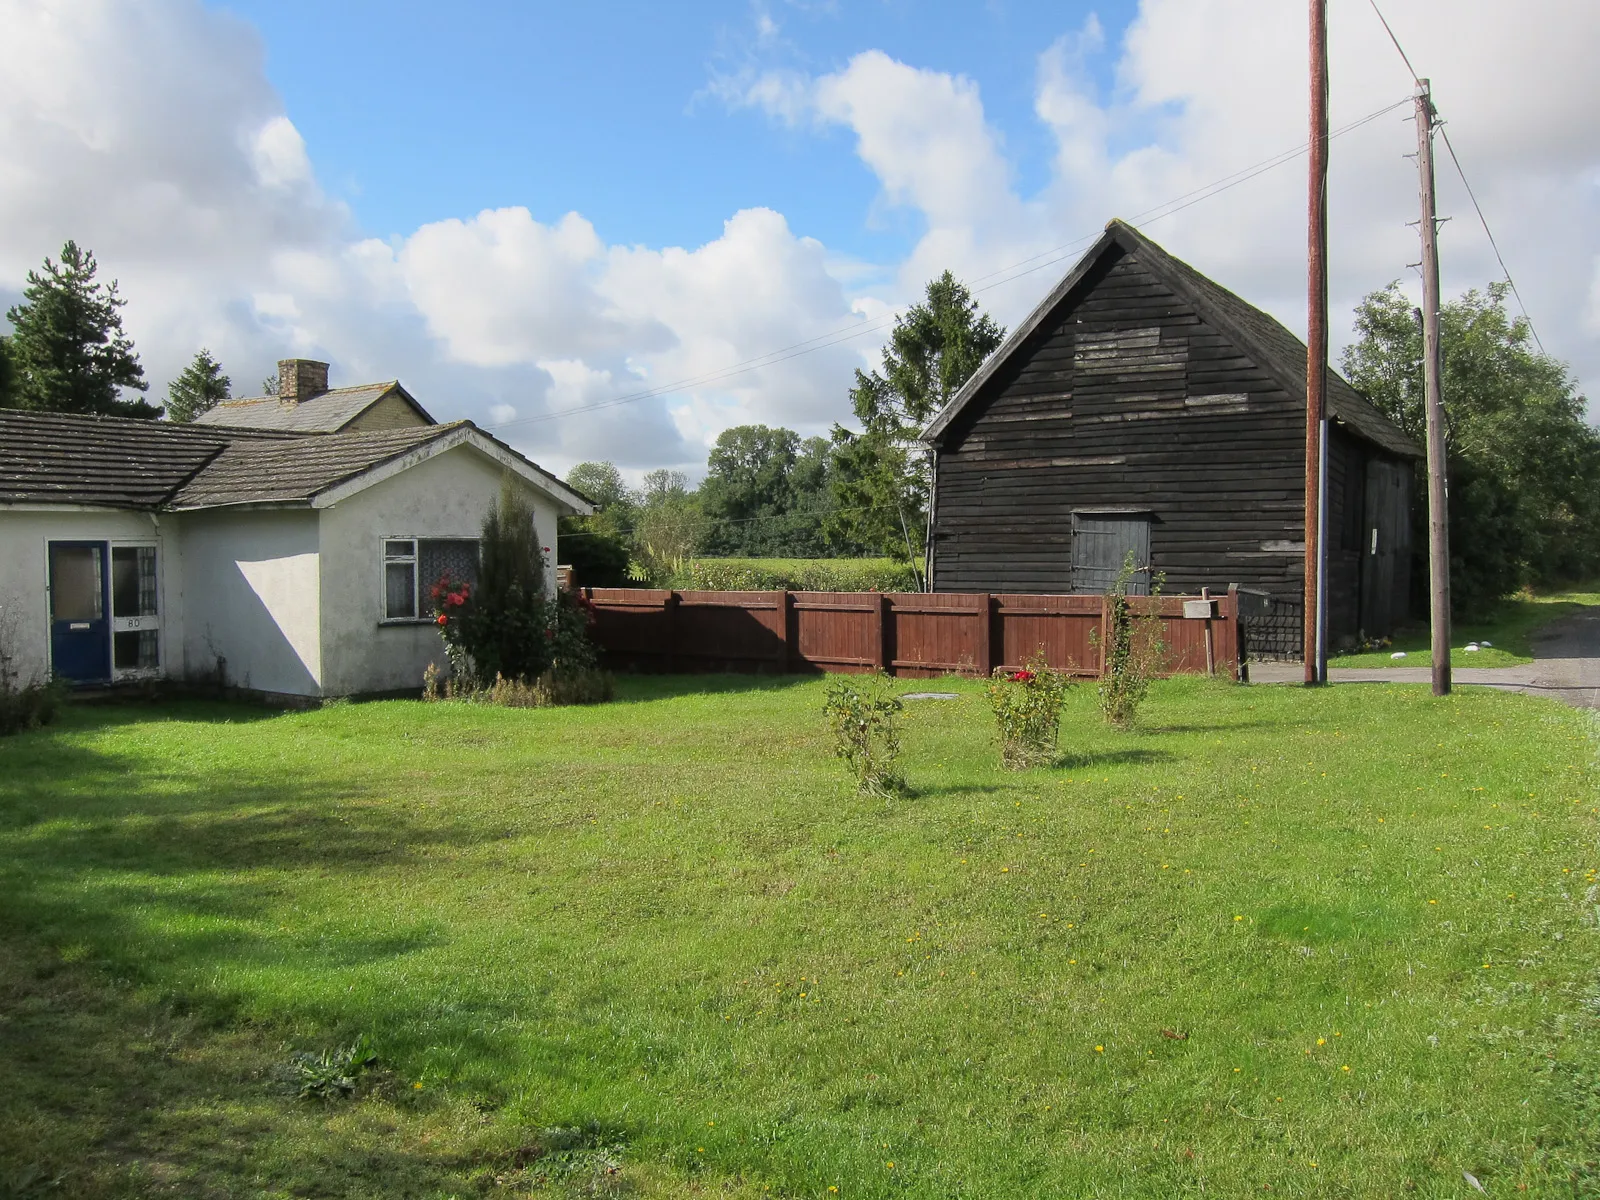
76, 586
133, 581
136, 650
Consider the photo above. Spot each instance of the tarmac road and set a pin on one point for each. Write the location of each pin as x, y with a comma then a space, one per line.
1566, 667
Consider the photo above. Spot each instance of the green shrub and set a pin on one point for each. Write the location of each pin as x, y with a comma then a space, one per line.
796, 575
864, 717
1134, 652
29, 706
507, 625
1027, 711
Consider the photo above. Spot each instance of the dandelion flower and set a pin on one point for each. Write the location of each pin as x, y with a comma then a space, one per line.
1099, 1049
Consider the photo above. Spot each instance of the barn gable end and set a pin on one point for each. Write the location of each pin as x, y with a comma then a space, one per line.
1129, 412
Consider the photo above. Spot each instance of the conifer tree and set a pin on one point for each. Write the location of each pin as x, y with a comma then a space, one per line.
201, 386
68, 352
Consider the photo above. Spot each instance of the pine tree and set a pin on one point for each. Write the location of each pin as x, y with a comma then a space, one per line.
198, 389
881, 481
7, 376
68, 351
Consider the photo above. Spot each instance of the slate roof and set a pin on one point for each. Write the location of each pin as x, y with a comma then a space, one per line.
114, 462
1261, 336
255, 470
326, 412
57, 458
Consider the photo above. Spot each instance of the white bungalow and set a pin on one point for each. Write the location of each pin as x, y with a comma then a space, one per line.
293, 564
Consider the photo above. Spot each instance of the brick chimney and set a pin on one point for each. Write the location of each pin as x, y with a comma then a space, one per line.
300, 379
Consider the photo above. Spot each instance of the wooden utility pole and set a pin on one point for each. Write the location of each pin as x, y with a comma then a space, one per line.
1314, 649
1438, 487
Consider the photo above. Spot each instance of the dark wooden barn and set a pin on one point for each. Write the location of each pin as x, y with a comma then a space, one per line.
1142, 407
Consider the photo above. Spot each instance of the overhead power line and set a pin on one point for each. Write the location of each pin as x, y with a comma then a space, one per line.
1493, 245
1478, 208
1009, 274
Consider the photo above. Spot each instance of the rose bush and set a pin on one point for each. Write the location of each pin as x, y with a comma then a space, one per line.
1027, 712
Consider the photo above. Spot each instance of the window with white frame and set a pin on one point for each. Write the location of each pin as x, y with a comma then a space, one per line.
411, 566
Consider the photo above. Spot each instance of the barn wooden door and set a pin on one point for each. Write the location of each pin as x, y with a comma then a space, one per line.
1386, 543
1101, 543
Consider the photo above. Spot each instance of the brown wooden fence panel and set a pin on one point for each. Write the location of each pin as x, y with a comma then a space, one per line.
907, 634
1063, 626
837, 631
936, 633
730, 631
633, 627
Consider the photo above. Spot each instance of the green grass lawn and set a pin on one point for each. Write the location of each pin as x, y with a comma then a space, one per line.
1330, 942
1510, 628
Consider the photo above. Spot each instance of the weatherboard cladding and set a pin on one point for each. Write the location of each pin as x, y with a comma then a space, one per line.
1127, 391
113, 462
327, 412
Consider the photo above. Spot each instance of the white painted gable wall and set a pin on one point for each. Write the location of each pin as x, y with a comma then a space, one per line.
443, 497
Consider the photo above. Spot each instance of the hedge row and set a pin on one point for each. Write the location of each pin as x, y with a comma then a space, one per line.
796, 575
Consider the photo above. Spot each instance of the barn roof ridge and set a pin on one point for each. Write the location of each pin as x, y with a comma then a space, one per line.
1274, 348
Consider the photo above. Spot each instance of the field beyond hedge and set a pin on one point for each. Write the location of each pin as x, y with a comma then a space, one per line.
1338, 942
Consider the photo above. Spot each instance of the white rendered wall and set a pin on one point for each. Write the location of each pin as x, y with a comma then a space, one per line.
446, 496
251, 591
24, 575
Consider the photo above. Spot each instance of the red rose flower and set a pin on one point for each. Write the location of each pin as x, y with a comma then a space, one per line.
1022, 676
443, 620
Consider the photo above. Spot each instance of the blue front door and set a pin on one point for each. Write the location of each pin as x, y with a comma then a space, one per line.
80, 627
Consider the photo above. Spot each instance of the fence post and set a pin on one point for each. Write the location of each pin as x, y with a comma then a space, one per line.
669, 610
1231, 634
985, 635
785, 619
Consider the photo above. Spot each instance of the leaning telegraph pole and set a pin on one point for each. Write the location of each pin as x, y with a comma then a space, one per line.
1438, 487
1314, 646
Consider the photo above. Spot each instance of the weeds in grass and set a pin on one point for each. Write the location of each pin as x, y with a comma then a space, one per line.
553, 688
1133, 652
329, 1075
22, 705
864, 716
1027, 711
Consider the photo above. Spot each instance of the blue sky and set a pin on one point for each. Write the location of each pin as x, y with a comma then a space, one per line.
526, 212
413, 112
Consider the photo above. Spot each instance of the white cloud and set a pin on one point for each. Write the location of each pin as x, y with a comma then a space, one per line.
149, 133
280, 154
1207, 87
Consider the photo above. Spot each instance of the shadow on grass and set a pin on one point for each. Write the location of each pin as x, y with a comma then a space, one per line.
177, 880
1219, 727
642, 688
107, 1093
1109, 758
